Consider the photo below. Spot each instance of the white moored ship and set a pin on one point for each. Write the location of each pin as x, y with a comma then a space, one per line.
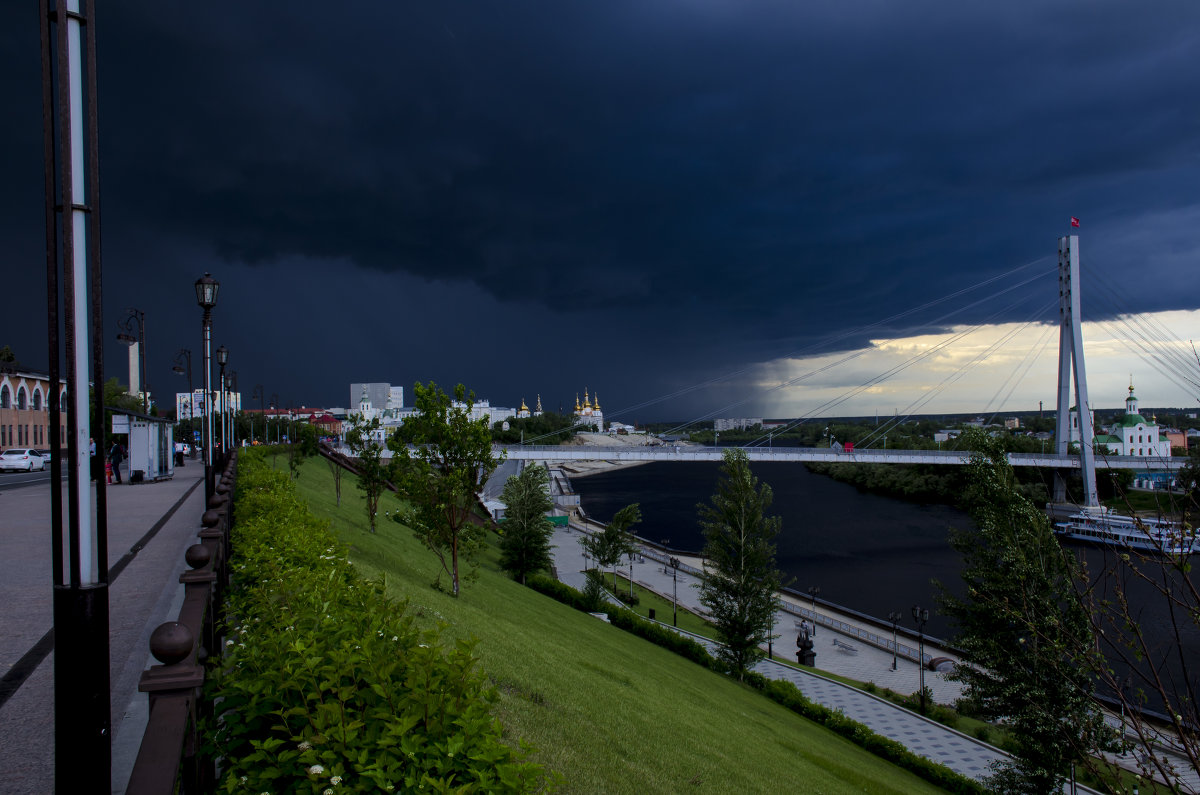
1150, 535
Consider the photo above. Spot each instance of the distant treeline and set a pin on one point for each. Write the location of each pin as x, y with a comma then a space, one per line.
549, 428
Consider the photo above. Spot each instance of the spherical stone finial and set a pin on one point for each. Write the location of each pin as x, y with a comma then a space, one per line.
197, 556
171, 642
211, 518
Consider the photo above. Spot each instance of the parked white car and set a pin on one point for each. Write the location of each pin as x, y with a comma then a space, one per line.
21, 460
183, 447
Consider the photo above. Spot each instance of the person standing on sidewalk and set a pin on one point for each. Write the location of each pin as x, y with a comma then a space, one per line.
115, 457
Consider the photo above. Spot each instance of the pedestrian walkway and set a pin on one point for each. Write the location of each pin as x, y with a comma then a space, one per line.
149, 527
922, 736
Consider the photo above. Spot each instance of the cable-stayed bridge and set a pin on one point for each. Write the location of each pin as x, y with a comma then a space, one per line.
667, 452
1074, 445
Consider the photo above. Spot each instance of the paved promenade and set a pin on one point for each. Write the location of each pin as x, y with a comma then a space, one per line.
159, 521
928, 738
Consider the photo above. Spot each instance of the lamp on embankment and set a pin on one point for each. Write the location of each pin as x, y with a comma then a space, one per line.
675, 596
183, 366
920, 617
137, 346
894, 617
206, 297
813, 591
222, 359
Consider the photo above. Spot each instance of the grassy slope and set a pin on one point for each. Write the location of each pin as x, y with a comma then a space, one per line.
610, 712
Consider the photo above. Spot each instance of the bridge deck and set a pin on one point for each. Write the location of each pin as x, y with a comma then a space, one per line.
821, 454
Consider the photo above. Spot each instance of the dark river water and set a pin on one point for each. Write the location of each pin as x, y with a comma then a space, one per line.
870, 553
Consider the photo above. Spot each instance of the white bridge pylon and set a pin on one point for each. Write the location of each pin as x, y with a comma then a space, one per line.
1070, 364
567, 453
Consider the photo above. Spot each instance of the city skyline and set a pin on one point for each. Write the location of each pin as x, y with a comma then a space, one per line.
676, 205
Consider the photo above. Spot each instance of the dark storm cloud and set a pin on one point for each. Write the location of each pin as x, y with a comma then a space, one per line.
721, 180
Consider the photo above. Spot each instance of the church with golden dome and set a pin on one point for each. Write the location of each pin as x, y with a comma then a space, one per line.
589, 413
524, 412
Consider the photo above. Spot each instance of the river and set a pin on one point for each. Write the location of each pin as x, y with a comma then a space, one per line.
870, 553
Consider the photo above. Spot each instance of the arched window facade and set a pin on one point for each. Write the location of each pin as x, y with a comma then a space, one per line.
37, 400
21, 398
62, 401
5, 397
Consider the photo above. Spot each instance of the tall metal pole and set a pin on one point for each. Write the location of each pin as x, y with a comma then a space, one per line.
920, 616
82, 718
209, 486
206, 296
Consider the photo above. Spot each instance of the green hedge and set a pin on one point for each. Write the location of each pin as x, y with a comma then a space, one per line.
788, 695
327, 686
784, 693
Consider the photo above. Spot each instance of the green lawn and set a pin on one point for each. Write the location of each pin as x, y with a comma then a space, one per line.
610, 712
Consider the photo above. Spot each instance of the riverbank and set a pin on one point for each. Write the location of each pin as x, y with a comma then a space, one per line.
582, 469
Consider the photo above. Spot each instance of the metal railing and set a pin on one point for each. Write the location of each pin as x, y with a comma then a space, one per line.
168, 760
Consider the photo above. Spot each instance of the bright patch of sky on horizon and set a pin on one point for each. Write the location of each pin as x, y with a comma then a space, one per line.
987, 369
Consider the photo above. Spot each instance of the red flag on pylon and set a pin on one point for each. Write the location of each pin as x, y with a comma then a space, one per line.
1074, 221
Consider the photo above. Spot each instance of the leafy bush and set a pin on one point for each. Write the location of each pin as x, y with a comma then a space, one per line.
327, 683
630, 599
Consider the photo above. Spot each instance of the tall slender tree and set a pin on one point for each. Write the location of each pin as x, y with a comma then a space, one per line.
362, 437
1027, 641
442, 458
741, 578
525, 543
607, 547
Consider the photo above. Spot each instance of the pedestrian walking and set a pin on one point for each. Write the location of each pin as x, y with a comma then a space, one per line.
115, 456
92, 462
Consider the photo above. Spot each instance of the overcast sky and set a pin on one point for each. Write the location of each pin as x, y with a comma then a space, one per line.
634, 197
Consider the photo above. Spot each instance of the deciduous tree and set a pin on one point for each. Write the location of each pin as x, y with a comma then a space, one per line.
362, 437
525, 544
741, 578
442, 458
608, 546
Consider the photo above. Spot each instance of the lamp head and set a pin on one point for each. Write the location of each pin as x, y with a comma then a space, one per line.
126, 339
206, 291
222, 355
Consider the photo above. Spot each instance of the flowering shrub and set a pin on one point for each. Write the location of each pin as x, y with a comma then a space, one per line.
326, 685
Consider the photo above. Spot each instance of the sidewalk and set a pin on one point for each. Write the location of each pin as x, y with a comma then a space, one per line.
141, 596
928, 738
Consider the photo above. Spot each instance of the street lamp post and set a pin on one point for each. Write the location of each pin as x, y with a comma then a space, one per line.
894, 617
222, 358
183, 366
675, 596
920, 616
275, 408
233, 411
813, 591
126, 326
206, 297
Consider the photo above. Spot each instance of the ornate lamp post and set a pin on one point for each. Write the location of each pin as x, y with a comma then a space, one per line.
920, 616
206, 297
674, 596
222, 358
894, 617
812, 592
125, 337
233, 410
183, 365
